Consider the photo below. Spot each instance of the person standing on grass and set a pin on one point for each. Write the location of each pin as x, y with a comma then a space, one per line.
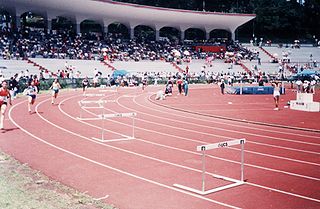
55, 90
31, 92
5, 97
276, 94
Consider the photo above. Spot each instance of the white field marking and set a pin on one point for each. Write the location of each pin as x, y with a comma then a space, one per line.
101, 198
112, 168
217, 120
192, 169
211, 127
280, 191
186, 139
234, 110
253, 142
214, 135
233, 103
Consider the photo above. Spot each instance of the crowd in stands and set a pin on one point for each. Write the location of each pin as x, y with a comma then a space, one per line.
33, 43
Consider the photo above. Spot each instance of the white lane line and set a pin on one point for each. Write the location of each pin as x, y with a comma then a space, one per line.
296, 195
222, 129
280, 191
213, 135
211, 127
186, 139
104, 165
215, 120
260, 186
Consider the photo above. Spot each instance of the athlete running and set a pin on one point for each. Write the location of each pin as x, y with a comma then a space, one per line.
55, 90
5, 98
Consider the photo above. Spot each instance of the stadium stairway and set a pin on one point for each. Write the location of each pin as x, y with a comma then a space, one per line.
109, 65
266, 52
245, 68
10, 67
41, 68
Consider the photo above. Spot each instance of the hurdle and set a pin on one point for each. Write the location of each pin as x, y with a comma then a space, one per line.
94, 95
112, 89
203, 149
104, 117
99, 102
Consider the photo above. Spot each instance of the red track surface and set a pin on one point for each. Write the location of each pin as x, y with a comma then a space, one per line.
281, 165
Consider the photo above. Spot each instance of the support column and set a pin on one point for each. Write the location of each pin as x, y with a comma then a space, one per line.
157, 34
49, 25
182, 35
233, 35
105, 30
132, 33
207, 35
18, 23
78, 29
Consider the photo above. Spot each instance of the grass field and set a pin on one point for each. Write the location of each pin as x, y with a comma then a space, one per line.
24, 188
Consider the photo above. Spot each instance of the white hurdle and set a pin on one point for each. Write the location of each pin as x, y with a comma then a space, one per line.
82, 104
94, 95
203, 149
104, 117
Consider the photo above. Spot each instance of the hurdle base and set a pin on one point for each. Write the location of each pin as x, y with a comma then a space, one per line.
113, 140
209, 191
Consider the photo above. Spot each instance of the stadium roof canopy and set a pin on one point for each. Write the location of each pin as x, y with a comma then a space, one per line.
107, 12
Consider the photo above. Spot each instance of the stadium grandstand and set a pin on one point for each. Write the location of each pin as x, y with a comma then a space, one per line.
77, 39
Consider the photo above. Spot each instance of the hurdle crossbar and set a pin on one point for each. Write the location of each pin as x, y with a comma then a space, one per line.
94, 95
203, 149
97, 102
82, 104
104, 117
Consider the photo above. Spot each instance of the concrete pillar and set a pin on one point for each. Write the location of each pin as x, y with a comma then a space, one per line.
182, 35
132, 33
78, 29
157, 34
233, 35
105, 29
18, 23
49, 25
207, 35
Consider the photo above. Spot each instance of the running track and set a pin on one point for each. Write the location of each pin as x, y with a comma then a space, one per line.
281, 165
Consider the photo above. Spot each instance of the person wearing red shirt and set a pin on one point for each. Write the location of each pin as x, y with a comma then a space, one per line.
5, 98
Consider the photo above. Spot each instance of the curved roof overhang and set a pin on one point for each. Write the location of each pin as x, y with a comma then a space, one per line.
132, 15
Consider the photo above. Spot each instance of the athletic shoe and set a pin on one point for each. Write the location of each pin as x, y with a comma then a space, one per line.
276, 108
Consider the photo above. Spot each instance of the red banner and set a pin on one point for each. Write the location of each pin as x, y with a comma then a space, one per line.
214, 49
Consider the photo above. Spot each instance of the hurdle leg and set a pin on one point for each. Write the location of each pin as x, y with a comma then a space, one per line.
242, 161
203, 170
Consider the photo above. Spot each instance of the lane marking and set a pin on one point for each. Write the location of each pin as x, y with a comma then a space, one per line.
215, 120
183, 138
175, 148
109, 167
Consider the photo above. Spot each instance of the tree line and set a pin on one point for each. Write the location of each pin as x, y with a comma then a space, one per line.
278, 20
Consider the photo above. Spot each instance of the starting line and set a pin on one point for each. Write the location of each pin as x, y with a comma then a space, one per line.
203, 149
